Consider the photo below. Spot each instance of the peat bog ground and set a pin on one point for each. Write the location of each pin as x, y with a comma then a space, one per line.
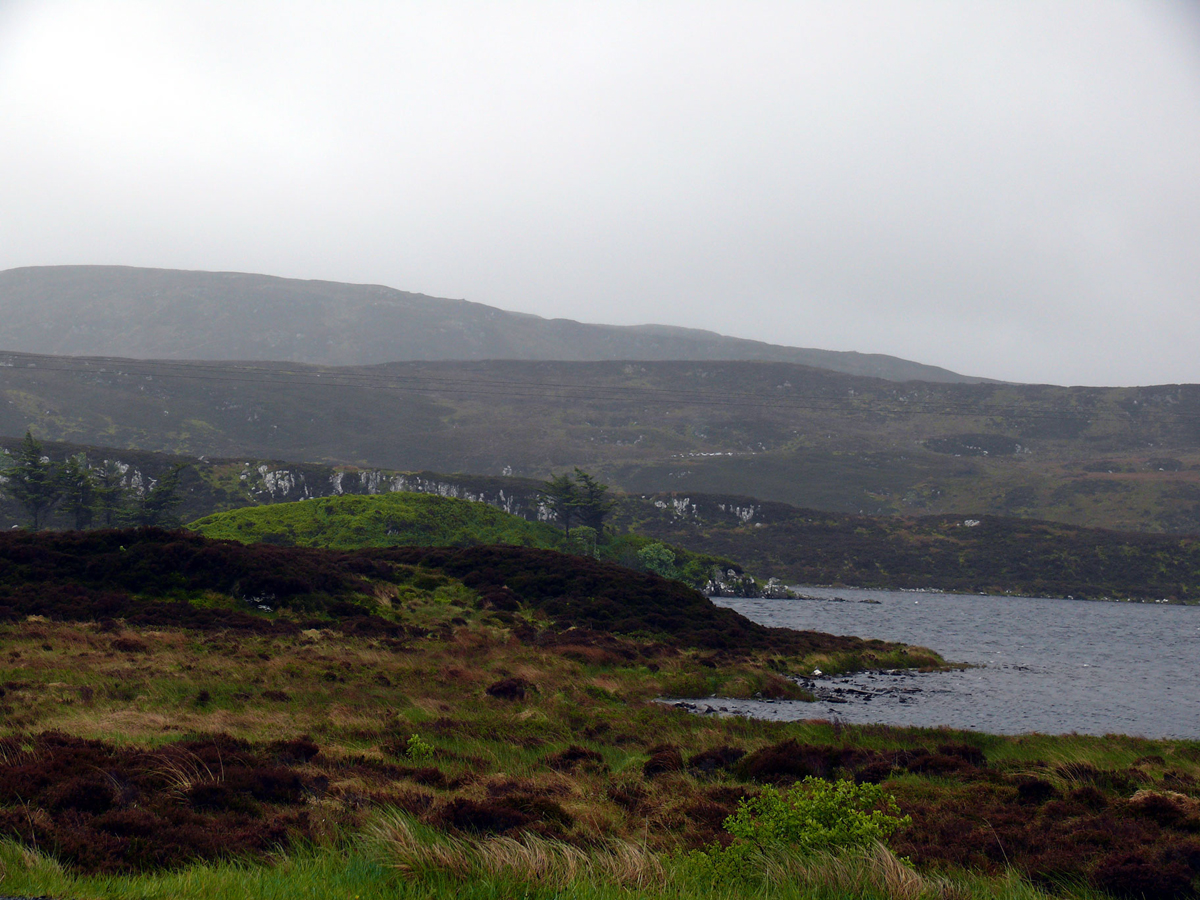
184, 717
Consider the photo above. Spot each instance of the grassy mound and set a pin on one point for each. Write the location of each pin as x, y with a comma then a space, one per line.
579, 592
380, 520
404, 519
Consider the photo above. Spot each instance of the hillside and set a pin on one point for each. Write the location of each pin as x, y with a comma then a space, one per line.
1121, 458
171, 314
173, 578
989, 554
986, 555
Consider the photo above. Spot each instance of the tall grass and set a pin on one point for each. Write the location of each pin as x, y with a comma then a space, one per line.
416, 852
422, 856
398, 859
306, 875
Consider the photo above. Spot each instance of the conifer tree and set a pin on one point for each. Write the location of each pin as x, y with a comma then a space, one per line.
109, 489
157, 508
577, 498
591, 501
560, 495
78, 490
33, 480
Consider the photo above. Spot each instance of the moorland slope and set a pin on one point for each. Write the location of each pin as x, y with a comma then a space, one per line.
1122, 458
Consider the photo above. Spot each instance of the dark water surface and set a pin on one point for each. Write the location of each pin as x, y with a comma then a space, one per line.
1048, 665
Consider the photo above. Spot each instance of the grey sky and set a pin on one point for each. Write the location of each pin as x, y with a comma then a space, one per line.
1008, 189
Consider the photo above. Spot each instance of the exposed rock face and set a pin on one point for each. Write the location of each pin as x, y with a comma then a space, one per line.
213, 485
699, 509
284, 485
731, 583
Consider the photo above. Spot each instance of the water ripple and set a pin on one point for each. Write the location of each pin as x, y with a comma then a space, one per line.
1049, 665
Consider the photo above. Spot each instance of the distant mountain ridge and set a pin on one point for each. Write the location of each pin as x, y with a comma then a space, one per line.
172, 314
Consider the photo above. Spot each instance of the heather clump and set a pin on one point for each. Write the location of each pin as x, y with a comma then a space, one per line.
110, 809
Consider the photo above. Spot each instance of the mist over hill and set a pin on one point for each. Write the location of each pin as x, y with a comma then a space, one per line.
171, 314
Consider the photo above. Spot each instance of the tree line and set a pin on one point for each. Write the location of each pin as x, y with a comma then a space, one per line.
89, 495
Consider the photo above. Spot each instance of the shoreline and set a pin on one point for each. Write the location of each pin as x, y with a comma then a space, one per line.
799, 591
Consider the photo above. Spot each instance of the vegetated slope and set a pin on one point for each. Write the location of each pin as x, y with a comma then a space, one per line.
384, 520
1126, 458
334, 748
989, 554
408, 518
997, 555
307, 756
588, 593
173, 314
155, 577
306, 613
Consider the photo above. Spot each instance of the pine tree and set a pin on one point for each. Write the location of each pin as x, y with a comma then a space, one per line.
592, 503
78, 490
560, 496
110, 492
157, 508
33, 480
577, 498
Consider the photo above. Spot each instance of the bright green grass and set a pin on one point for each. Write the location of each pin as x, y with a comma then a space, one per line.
425, 520
380, 520
362, 873
313, 873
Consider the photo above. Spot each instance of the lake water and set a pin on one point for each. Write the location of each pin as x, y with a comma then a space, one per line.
1047, 665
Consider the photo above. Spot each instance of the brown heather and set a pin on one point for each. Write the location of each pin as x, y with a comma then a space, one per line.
141, 747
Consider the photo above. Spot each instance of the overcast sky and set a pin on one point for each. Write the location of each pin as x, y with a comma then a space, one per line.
1007, 189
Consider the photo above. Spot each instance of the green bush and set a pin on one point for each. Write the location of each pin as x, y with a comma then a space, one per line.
418, 749
814, 815
644, 554
583, 541
659, 559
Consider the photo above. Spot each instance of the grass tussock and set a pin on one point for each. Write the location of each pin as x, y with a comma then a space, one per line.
418, 854
526, 857
871, 872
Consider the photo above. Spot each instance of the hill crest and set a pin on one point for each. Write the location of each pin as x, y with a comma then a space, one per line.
174, 314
